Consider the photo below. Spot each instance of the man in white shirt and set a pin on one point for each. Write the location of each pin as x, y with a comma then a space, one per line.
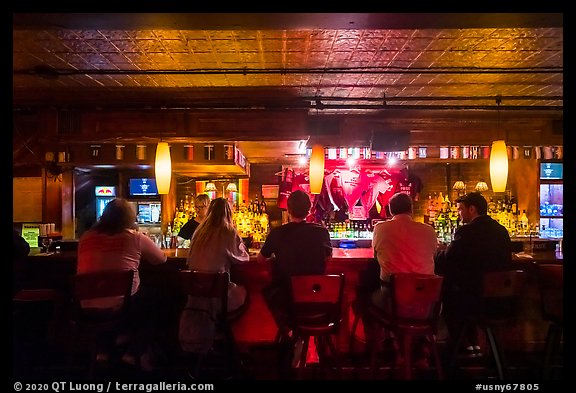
402, 245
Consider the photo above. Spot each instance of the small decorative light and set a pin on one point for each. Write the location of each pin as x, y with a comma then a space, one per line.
481, 186
459, 185
210, 190
231, 187
163, 168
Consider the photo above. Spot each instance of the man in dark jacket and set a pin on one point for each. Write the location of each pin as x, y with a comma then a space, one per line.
481, 245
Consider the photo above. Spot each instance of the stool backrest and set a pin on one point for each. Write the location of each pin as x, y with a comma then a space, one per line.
317, 299
416, 296
551, 285
501, 293
100, 286
207, 285
103, 284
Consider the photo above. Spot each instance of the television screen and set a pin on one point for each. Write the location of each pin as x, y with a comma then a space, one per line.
143, 187
551, 170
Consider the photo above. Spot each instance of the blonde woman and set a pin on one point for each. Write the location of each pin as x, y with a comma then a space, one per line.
214, 247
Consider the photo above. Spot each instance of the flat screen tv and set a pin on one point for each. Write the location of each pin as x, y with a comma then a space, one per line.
143, 186
551, 170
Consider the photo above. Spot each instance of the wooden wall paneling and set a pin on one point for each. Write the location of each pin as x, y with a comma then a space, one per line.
52, 203
67, 222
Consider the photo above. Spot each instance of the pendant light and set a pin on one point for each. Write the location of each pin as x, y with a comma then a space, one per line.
316, 172
498, 160
163, 167
481, 186
210, 189
459, 185
231, 187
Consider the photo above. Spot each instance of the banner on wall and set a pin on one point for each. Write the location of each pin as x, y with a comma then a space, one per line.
352, 190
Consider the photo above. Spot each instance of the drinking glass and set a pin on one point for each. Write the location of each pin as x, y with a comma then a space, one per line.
46, 244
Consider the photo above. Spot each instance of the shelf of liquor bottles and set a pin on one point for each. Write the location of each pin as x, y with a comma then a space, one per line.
442, 214
250, 219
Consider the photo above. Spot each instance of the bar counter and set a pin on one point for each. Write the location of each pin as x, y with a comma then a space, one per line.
257, 326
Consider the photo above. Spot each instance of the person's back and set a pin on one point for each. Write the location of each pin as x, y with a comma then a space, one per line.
299, 248
403, 245
113, 243
479, 246
215, 245
295, 248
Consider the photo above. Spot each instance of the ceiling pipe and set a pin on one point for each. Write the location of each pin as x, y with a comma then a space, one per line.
441, 98
324, 107
50, 73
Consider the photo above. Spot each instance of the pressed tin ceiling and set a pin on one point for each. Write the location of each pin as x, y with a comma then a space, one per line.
337, 63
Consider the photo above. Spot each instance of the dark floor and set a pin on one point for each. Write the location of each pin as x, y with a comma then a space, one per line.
260, 363
37, 357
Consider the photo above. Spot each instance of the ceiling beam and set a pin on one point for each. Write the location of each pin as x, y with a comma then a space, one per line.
262, 21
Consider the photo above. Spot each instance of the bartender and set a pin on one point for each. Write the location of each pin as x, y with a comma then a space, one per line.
201, 203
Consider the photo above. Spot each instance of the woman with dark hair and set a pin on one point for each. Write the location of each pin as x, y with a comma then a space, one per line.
215, 245
115, 243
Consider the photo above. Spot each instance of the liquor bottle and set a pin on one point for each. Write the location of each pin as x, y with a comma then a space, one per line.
256, 205
524, 223
440, 201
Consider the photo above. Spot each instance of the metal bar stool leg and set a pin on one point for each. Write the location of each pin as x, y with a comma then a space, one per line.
496, 353
303, 354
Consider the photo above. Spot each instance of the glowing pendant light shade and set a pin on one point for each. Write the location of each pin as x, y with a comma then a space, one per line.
498, 166
316, 169
210, 189
163, 168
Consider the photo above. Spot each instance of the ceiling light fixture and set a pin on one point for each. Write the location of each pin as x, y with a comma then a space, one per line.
316, 172
163, 167
498, 160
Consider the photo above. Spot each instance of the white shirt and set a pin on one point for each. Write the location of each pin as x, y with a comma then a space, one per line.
403, 245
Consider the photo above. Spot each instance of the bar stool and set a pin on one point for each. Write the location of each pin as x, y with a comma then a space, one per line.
315, 311
501, 292
415, 312
210, 289
36, 314
551, 287
95, 325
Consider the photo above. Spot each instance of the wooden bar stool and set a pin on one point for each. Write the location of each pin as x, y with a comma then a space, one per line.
415, 312
316, 311
551, 286
501, 292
